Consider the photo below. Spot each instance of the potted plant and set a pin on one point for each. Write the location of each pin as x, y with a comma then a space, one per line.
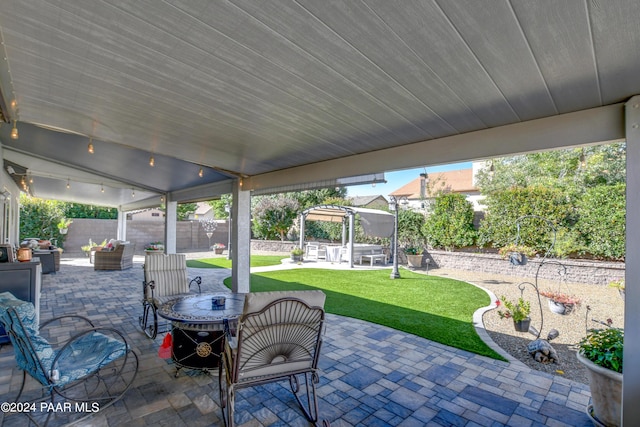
218, 248
414, 256
518, 311
63, 225
87, 248
601, 353
561, 303
619, 285
517, 254
154, 247
296, 254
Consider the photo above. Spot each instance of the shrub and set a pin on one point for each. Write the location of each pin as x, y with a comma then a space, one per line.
410, 228
601, 220
450, 222
604, 347
499, 227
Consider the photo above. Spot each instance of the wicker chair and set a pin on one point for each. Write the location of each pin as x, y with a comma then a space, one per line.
120, 258
93, 366
165, 278
278, 338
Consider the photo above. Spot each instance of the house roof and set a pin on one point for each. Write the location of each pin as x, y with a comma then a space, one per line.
365, 200
202, 208
457, 181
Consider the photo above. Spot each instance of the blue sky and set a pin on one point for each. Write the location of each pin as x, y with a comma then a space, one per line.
397, 179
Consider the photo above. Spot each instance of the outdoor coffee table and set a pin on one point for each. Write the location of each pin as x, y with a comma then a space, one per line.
197, 328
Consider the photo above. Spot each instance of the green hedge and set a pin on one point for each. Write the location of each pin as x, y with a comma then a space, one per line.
601, 220
499, 227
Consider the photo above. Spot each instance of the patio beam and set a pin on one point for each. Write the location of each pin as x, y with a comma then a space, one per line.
593, 126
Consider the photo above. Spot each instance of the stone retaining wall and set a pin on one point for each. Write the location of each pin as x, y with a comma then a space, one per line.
577, 271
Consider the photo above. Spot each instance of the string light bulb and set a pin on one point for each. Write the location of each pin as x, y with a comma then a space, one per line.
152, 161
133, 193
90, 147
101, 188
14, 131
68, 184
492, 169
200, 173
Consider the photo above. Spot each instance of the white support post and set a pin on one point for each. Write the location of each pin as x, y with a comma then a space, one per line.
121, 233
352, 233
170, 226
241, 239
631, 373
302, 218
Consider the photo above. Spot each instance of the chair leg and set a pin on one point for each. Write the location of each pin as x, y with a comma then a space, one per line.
311, 408
149, 320
227, 394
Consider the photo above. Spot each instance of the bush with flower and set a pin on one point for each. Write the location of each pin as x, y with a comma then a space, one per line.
561, 298
154, 246
517, 311
604, 347
218, 246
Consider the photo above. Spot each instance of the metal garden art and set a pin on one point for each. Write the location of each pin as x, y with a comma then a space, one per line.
209, 225
540, 349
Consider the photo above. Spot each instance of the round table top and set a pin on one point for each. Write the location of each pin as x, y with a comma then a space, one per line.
200, 308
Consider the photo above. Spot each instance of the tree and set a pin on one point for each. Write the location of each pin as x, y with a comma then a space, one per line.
323, 196
221, 205
572, 170
273, 216
450, 222
183, 210
39, 218
75, 210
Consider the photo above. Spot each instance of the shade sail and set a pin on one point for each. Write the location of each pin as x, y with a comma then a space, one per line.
374, 222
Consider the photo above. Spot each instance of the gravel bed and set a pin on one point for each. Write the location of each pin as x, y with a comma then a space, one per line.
604, 303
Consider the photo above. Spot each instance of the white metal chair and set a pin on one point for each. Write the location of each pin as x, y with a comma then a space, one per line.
278, 337
165, 278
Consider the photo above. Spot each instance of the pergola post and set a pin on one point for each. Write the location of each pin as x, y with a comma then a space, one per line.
301, 231
352, 227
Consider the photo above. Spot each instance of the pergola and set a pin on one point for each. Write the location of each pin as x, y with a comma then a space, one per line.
374, 222
248, 97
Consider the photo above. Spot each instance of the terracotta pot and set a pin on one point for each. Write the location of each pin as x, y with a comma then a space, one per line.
606, 392
414, 261
24, 254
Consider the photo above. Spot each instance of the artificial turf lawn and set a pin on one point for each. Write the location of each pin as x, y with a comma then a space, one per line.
220, 262
435, 308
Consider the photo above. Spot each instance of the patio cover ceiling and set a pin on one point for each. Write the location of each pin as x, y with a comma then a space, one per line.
286, 94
